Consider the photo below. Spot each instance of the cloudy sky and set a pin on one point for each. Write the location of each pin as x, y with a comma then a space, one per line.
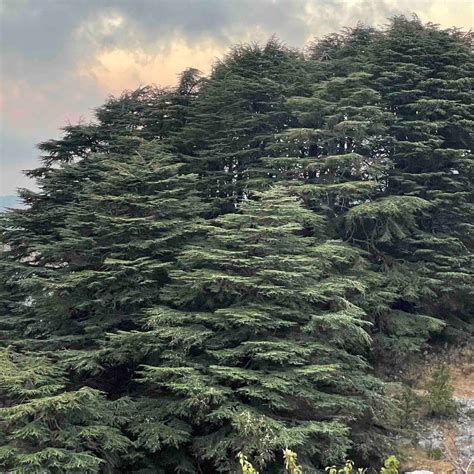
61, 58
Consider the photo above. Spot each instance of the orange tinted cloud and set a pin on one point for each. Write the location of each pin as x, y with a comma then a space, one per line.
118, 69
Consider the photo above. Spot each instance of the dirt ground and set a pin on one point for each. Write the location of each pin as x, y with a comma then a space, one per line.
417, 459
461, 365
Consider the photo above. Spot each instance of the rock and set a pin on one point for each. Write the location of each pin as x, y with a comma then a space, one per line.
465, 436
431, 440
419, 472
432, 436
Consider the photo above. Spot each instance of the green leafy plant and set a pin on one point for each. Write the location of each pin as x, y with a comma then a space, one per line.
390, 466
291, 463
246, 465
348, 468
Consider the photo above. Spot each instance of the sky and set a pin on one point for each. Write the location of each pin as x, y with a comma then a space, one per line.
61, 58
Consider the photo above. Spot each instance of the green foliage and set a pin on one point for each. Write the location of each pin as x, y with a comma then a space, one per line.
410, 407
240, 314
436, 453
233, 120
369, 149
46, 428
405, 333
290, 460
440, 393
348, 468
246, 465
228, 257
390, 466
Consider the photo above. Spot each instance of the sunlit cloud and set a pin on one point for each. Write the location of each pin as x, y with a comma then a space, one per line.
118, 69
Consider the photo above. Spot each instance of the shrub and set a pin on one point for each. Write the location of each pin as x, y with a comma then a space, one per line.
440, 394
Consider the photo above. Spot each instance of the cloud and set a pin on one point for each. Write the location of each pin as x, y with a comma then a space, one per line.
61, 58
117, 69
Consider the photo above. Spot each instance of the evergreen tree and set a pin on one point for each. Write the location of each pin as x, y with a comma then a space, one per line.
120, 127
425, 75
361, 109
237, 112
95, 275
149, 113
339, 150
47, 428
106, 260
256, 344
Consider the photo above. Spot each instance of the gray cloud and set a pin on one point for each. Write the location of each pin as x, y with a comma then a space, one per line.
41, 36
